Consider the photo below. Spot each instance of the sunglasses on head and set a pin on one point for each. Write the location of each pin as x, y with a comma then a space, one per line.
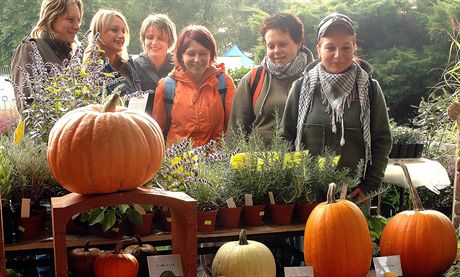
335, 17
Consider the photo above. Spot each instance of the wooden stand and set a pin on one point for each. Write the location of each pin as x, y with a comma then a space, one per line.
2, 247
183, 229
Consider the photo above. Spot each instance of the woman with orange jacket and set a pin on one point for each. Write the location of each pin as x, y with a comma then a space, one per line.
195, 100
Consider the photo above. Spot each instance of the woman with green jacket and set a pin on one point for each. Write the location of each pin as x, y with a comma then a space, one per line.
338, 105
284, 63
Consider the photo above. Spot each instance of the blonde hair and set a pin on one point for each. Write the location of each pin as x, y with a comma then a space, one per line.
100, 24
163, 24
49, 12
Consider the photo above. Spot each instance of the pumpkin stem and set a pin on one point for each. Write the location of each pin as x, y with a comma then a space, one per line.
86, 246
121, 243
111, 104
413, 192
330, 193
243, 239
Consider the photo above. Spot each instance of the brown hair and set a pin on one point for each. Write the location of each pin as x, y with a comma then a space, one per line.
285, 22
199, 34
49, 12
163, 24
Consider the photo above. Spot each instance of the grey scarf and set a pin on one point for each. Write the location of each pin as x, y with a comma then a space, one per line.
336, 90
291, 69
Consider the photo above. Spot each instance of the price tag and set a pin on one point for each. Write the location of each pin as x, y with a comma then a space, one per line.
298, 271
248, 200
208, 222
230, 203
160, 264
169, 219
25, 208
138, 103
387, 264
343, 192
272, 198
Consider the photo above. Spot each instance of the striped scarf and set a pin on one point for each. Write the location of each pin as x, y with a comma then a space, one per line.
336, 91
294, 68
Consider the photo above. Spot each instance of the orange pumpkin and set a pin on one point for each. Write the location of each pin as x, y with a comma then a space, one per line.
116, 263
104, 149
337, 239
425, 240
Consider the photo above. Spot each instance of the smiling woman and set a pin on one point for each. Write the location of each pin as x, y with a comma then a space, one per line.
54, 35
195, 101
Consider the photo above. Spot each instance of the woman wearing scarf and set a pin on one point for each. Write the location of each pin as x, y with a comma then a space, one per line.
284, 63
54, 35
338, 105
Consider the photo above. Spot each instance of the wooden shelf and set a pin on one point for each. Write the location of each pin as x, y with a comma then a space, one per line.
183, 230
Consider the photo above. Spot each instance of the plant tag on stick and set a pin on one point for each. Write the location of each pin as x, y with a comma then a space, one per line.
248, 200
272, 199
25, 208
387, 264
160, 264
230, 203
343, 192
298, 271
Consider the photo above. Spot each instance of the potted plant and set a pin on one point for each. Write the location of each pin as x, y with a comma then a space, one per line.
31, 179
407, 142
6, 190
144, 226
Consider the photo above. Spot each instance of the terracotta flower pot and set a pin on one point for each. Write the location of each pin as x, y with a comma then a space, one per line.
303, 210
281, 213
146, 228
206, 221
29, 228
229, 217
253, 215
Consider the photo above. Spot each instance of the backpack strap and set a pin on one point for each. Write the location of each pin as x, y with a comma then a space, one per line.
169, 92
222, 87
256, 83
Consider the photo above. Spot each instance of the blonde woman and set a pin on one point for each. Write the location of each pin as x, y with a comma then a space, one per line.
113, 39
158, 37
54, 35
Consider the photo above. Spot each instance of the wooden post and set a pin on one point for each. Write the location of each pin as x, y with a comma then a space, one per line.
183, 211
454, 114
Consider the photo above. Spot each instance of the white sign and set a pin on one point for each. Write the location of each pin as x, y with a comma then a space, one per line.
298, 271
387, 264
162, 263
138, 104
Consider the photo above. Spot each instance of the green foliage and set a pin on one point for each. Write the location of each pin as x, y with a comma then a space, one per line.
6, 187
238, 74
376, 223
30, 176
406, 135
108, 216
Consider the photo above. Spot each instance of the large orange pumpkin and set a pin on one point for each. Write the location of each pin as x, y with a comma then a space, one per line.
425, 240
337, 239
104, 149
116, 263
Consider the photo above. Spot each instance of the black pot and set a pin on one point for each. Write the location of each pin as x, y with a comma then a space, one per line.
410, 151
394, 151
9, 221
418, 150
402, 153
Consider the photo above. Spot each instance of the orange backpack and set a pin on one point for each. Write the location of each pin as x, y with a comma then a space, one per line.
256, 83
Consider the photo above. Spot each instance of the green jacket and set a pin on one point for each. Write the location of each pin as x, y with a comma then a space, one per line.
272, 99
317, 131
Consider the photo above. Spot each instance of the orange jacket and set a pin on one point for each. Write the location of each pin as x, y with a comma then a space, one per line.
197, 112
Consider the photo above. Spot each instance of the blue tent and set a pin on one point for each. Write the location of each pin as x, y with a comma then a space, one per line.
236, 52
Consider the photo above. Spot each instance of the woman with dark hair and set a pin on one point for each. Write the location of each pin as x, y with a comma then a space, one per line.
158, 37
54, 35
195, 100
338, 105
259, 99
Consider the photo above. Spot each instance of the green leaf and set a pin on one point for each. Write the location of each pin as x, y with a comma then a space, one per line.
135, 218
109, 220
96, 216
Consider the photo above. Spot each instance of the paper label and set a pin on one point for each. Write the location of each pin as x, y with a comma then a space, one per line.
138, 104
168, 219
343, 192
25, 208
298, 271
116, 230
162, 263
248, 200
22, 229
230, 203
272, 198
262, 213
387, 264
208, 222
